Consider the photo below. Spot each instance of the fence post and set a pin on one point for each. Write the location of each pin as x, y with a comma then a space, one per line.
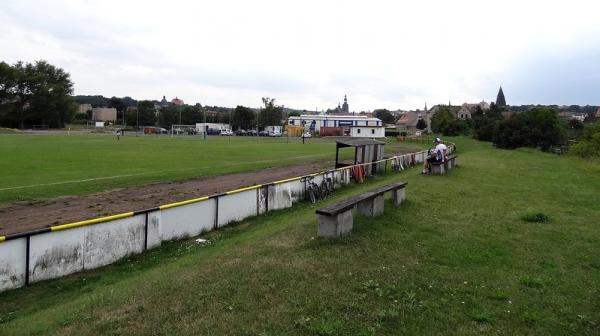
257, 201
216, 225
146, 232
27, 245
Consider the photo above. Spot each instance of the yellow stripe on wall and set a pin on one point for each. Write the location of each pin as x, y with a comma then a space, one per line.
243, 189
173, 205
91, 221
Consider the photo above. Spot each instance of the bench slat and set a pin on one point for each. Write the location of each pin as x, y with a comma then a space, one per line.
349, 203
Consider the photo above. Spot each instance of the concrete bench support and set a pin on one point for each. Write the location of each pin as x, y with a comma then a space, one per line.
336, 219
398, 196
438, 169
335, 226
372, 207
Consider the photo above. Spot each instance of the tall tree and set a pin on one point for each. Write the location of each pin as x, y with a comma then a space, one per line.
119, 105
421, 124
243, 118
385, 116
33, 93
441, 119
270, 115
143, 115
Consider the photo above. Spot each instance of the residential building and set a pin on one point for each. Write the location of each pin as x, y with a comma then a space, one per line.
84, 108
367, 131
315, 122
407, 124
104, 114
467, 109
177, 102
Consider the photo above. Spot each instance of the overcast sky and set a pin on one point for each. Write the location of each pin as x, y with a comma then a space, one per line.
308, 54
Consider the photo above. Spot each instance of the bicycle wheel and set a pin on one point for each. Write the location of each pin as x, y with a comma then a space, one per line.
324, 189
311, 194
330, 185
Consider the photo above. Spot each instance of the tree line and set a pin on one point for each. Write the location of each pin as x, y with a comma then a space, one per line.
35, 94
538, 127
40, 93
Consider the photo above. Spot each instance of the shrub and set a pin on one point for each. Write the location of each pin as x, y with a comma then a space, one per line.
535, 217
538, 127
589, 144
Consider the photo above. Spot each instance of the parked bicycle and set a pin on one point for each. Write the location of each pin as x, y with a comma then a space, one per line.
326, 185
313, 192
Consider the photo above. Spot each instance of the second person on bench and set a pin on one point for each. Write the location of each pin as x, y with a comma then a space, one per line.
437, 155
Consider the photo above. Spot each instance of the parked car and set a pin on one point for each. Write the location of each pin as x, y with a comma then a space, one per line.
252, 133
226, 133
274, 134
212, 131
240, 132
263, 133
307, 135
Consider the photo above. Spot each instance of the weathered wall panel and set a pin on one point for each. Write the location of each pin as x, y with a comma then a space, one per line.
236, 207
108, 242
154, 229
262, 199
12, 264
187, 220
56, 254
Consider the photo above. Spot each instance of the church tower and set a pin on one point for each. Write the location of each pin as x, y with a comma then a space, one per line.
345, 108
500, 100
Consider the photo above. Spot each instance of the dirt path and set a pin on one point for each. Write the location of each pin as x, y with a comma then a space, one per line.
25, 216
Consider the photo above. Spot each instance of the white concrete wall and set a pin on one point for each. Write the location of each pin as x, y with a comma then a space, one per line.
187, 220
56, 254
12, 264
108, 242
237, 207
154, 229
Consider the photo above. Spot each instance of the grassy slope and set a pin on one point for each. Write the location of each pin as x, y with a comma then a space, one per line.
455, 259
42, 159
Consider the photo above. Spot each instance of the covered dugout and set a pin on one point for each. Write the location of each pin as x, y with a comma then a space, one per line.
365, 151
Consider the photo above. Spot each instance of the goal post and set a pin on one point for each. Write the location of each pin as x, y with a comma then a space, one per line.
184, 130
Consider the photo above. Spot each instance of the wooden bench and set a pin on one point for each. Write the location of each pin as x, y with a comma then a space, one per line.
438, 168
337, 219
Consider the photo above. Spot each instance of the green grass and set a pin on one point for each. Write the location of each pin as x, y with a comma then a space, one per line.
42, 166
455, 259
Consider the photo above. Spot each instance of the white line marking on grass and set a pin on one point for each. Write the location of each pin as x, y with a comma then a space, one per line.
152, 172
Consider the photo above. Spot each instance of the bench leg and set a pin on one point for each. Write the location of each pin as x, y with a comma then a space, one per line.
334, 226
372, 207
398, 196
437, 169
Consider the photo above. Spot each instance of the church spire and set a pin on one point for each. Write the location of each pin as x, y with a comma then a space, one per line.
425, 106
500, 100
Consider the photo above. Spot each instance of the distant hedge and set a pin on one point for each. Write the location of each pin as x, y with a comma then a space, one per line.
538, 128
589, 144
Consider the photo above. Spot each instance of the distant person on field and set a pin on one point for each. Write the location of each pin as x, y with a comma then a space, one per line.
118, 134
436, 155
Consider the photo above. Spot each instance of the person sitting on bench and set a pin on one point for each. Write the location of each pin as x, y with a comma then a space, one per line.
436, 155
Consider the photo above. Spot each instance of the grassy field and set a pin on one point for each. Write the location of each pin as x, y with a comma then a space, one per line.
42, 166
506, 244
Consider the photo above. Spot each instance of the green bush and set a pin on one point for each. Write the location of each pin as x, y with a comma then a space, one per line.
535, 218
589, 144
538, 127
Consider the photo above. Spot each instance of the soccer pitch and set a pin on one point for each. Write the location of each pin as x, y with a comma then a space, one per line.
42, 166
